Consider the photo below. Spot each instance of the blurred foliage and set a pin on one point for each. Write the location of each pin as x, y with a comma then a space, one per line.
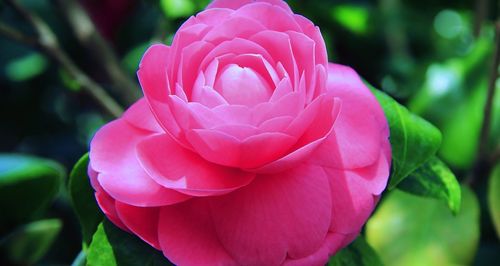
410, 230
422, 53
494, 198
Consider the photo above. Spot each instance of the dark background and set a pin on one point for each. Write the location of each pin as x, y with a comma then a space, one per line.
431, 56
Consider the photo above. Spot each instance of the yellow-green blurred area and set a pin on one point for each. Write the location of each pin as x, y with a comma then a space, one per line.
435, 57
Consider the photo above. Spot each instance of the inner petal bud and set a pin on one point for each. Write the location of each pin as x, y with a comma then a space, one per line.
242, 85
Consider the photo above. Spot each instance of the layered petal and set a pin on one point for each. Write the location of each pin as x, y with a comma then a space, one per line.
179, 169
353, 202
113, 157
360, 128
187, 235
105, 202
275, 217
155, 84
142, 221
235, 4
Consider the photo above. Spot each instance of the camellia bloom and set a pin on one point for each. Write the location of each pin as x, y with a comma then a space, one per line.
249, 148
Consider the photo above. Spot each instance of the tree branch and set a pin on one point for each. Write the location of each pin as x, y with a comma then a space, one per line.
86, 33
47, 42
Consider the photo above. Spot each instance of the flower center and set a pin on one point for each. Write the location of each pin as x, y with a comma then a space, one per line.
241, 85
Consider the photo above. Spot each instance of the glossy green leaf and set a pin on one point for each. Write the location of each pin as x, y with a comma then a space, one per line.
29, 183
410, 230
413, 139
434, 179
83, 200
112, 246
494, 197
358, 253
28, 244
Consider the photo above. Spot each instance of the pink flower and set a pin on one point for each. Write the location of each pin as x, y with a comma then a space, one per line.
249, 147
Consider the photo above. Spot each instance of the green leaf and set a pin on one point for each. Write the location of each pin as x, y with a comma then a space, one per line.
26, 67
358, 253
413, 139
83, 200
352, 17
494, 197
28, 244
177, 8
27, 185
410, 230
111, 246
434, 179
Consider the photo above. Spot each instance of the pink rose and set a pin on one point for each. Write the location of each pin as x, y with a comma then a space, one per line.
249, 147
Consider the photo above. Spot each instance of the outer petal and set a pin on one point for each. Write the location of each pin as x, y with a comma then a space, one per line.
332, 243
141, 221
275, 216
139, 115
353, 202
375, 176
235, 4
105, 202
177, 168
360, 128
187, 235
113, 156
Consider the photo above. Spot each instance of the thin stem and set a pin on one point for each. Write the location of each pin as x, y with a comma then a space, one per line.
482, 164
488, 107
48, 43
479, 16
87, 34
16, 35
495, 158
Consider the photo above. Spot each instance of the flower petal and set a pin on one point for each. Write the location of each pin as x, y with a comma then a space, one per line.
154, 81
141, 221
375, 176
315, 137
360, 128
332, 243
187, 236
250, 153
289, 217
105, 202
235, 4
113, 156
180, 169
140, 116
268, 15
353, 202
